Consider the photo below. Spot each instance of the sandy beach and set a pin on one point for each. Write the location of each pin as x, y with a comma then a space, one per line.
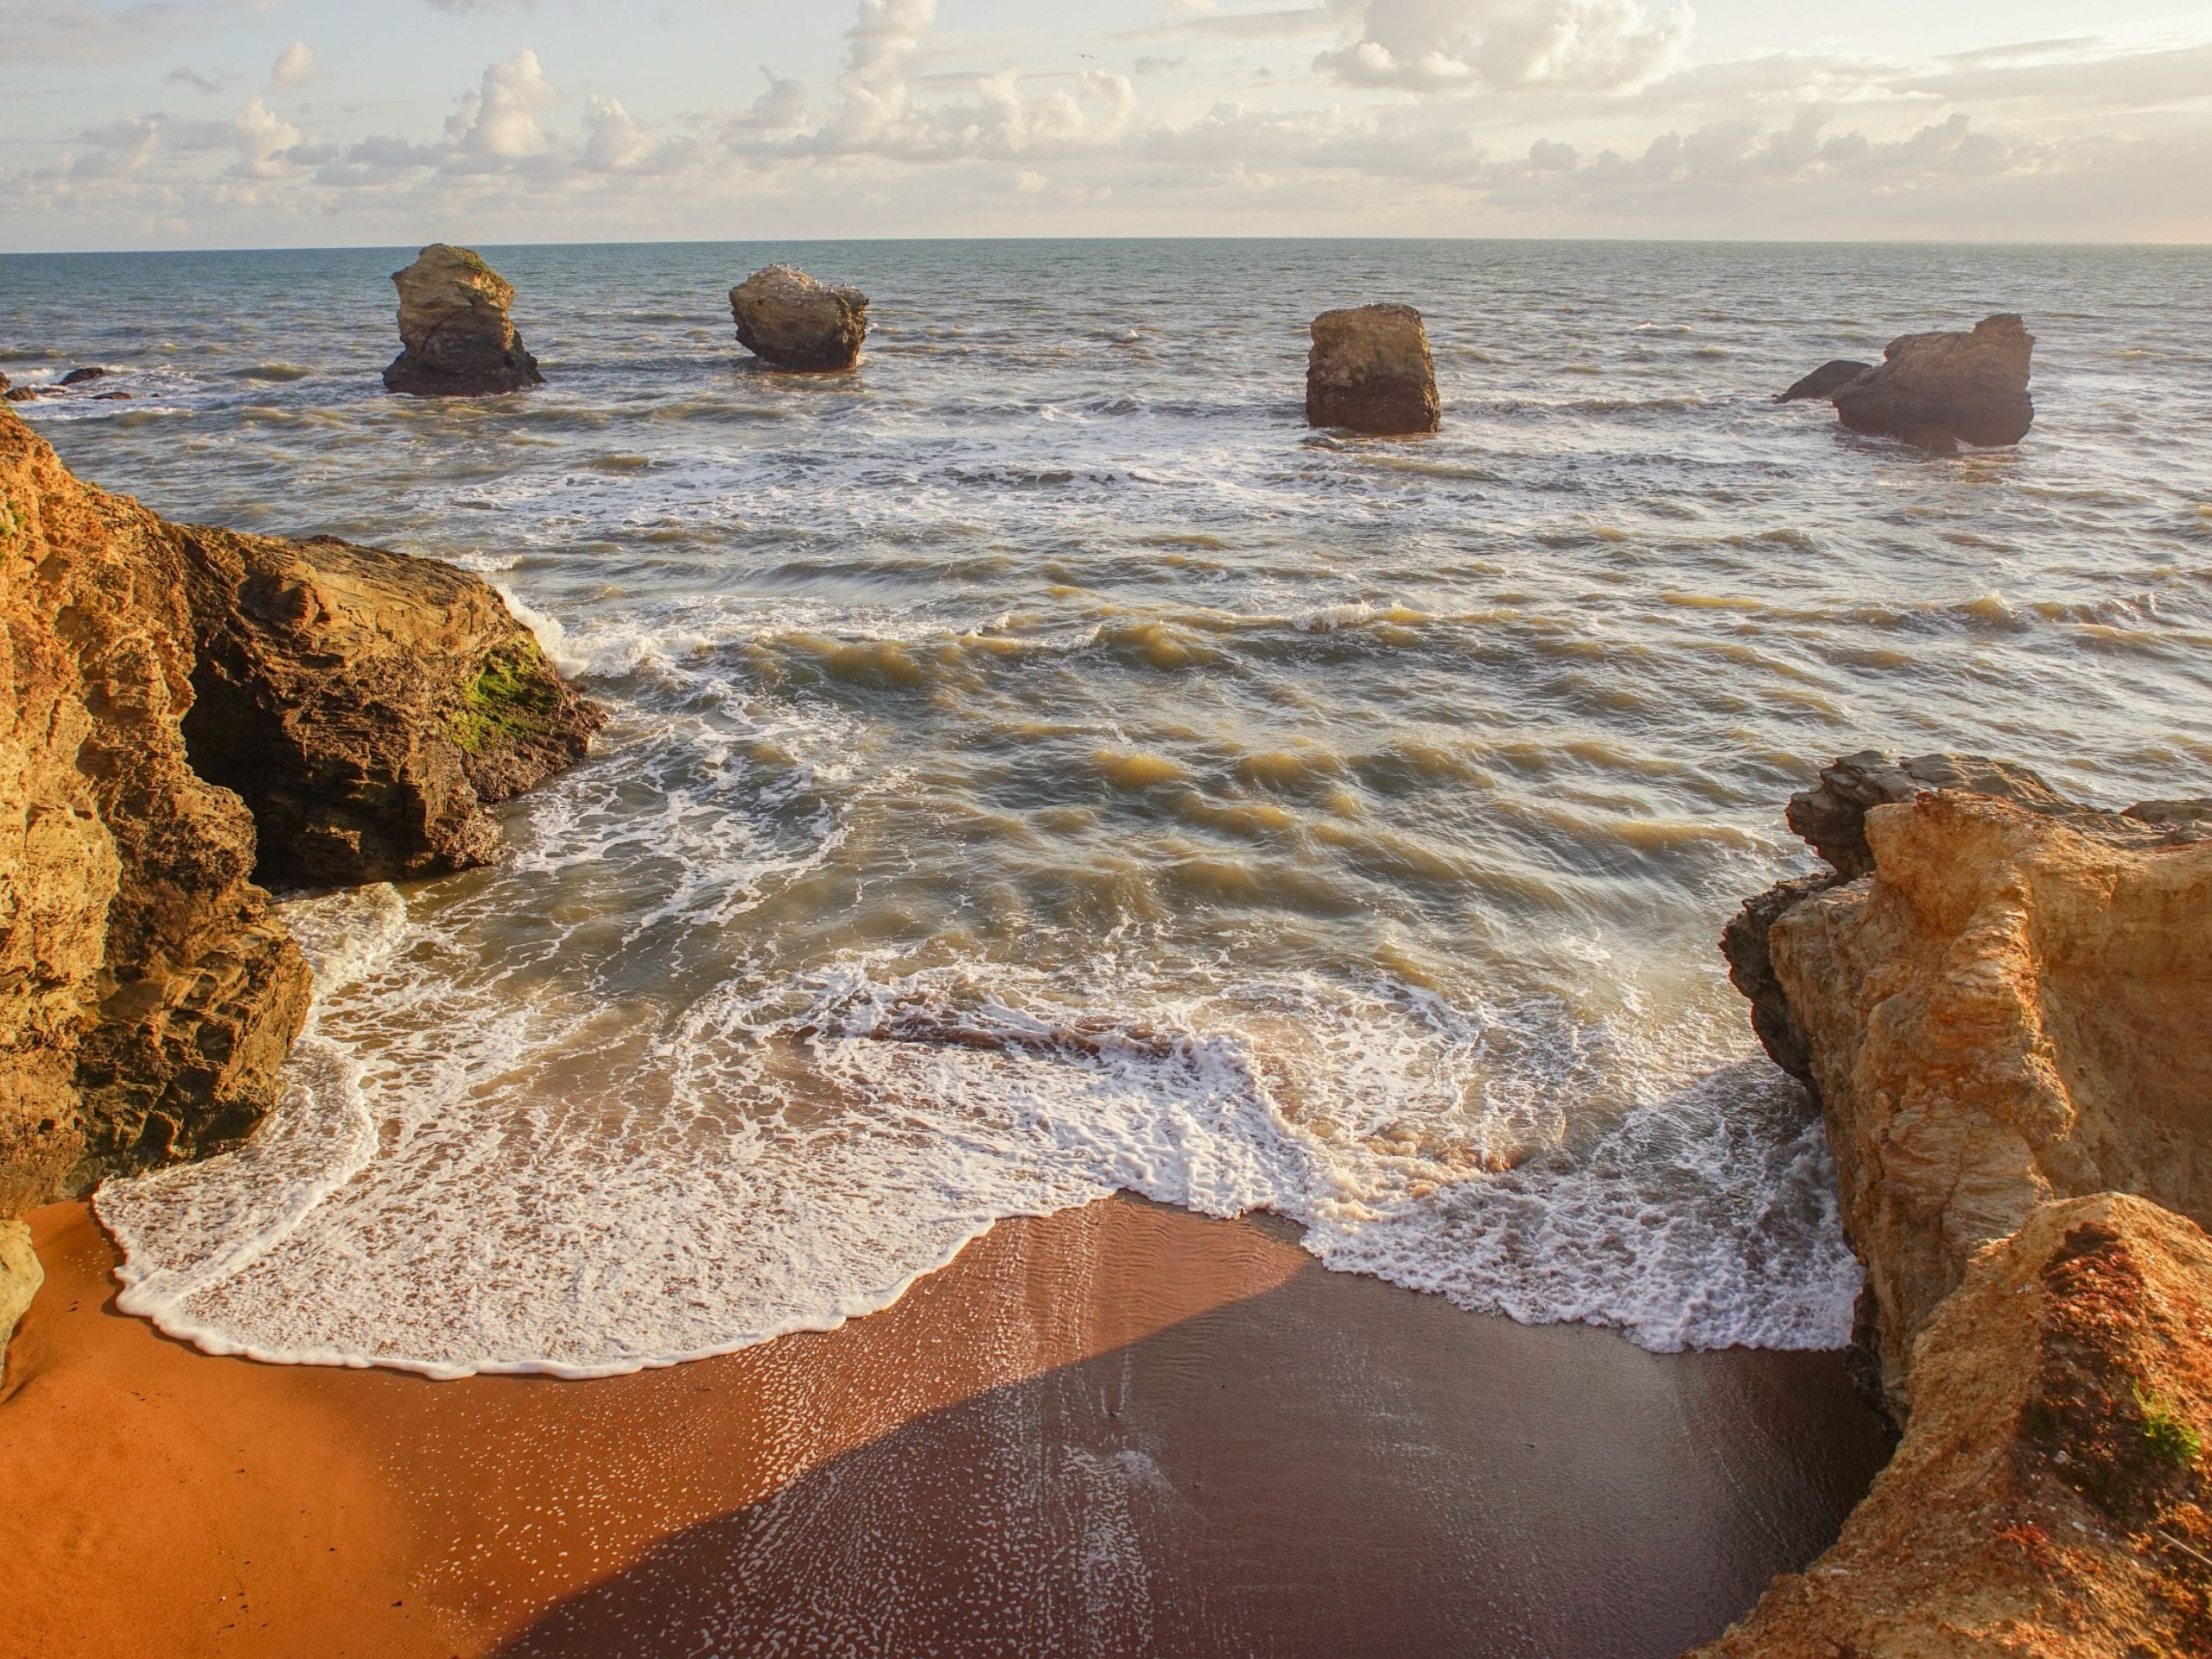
1124, 1430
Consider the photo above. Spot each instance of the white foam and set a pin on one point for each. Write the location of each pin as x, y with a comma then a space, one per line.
479, 1179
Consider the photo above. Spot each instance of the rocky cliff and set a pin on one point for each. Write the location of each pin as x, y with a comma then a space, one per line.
370, 703
2052, 1496
1997, 996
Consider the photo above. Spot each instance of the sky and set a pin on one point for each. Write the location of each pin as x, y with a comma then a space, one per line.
161, 123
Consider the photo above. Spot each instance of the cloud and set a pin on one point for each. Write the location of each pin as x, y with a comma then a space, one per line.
295, 68
1439, 45
262, 140
498, 121
205, 80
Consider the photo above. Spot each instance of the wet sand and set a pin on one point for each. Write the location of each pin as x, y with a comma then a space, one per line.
1123, 1431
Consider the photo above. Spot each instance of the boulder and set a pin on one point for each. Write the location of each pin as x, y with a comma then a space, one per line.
454, 327
80, 377
20, 1277
1939, 391
1998, 997
2051, 1497
148, 992
20, 394
1825, 381
367, 705
1370, 370
787, 319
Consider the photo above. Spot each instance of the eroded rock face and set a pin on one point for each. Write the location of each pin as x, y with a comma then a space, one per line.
2051, 1497
19, 1278
454, 327
1825, 381
1939, 391
787, 319
148, 993
367, 705
1370, 370
1998, 997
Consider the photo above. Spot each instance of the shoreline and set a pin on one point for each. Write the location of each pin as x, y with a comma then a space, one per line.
1072, 1439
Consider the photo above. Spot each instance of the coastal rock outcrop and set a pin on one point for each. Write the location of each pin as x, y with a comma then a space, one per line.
83, 377
1940, 390
1999, 998
2051, 1497
457, 340
787, 319
1370, 370
148, 991
1825, 381
367, 705
20, 1277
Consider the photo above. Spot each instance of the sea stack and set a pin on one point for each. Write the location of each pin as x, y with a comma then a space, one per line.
1936, 391
787, 319
1370, 370
453, 326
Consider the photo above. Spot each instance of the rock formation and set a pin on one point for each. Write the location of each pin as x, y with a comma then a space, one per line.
20, 394
1370, 370
20, 1277
2051, 1497
149, 993
786, 318
453, 324
1998, 997
82, 377
367, 705
1825, 381
1937, 390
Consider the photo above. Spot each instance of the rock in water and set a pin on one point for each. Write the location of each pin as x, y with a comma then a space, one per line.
786, 318
1939, 391
453, 326
2051, 1497
372, 704
1826, 381
79, 377
1370, 370
367, 705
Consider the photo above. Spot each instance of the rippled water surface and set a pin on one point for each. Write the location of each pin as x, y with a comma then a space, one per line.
1041, 766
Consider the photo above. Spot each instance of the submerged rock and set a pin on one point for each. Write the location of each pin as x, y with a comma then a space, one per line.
1825, 381
80, 377
1998, 997
1370, 370
20, 394
2051, 1497
370, 702
368, 705
453, 326
1939, 391
786, 318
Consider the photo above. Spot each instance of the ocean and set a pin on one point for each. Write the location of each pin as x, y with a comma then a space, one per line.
1041, 767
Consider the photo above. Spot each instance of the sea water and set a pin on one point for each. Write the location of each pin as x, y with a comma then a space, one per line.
1040, 765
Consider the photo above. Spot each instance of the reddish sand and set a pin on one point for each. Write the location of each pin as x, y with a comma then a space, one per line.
1125, 1431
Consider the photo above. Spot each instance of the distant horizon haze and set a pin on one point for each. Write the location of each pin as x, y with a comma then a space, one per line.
224, 125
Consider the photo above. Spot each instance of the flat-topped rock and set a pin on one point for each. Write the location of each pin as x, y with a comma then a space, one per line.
1370, 370
457, 340
788, 319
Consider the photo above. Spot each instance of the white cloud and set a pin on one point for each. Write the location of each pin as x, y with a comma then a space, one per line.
295, 68
262, 140
498, 121
1432, 45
